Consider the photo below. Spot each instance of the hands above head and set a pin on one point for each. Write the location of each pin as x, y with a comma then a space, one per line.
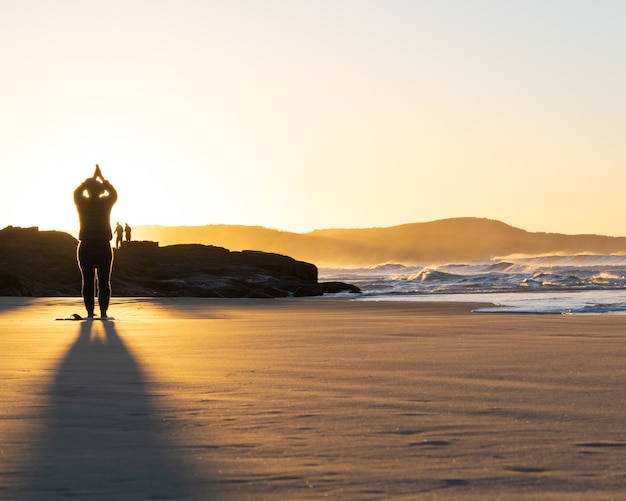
98, 173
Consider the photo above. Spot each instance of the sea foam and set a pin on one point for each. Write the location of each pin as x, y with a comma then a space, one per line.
550, 284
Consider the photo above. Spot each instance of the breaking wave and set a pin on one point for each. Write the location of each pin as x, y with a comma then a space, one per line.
520, 278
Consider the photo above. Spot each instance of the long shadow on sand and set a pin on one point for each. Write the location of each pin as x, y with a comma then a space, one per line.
102, 438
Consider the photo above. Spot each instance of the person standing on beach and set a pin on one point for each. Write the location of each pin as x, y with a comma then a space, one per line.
94, 199
127, 229
119, 234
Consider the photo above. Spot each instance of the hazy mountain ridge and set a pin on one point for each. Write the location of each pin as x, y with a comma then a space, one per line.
442, 241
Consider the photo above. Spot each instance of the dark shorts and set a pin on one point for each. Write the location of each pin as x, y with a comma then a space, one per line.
95, 255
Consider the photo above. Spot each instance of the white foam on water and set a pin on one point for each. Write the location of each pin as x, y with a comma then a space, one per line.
564, 284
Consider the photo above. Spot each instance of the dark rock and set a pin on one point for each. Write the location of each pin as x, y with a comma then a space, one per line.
38, 263
43, 263
337, 287
10, 285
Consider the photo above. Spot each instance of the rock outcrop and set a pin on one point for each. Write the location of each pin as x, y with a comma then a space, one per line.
43, 263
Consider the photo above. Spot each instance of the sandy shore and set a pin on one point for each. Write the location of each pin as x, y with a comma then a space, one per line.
309, 399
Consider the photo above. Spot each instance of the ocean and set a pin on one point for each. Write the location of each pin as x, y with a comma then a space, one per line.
557, 284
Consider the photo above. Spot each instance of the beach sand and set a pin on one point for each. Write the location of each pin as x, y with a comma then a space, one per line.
308, 399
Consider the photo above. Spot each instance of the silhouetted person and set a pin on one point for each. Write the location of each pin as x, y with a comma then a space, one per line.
94, 200
119, 233
127, 229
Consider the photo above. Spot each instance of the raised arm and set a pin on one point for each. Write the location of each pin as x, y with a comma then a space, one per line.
112, 191
78, 192
106, 185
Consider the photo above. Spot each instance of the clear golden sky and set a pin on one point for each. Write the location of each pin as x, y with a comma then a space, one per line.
300, 115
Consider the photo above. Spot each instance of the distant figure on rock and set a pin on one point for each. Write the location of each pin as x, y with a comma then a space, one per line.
94, 199
119, 234
127, 229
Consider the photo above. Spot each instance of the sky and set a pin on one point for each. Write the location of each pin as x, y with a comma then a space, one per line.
302, 115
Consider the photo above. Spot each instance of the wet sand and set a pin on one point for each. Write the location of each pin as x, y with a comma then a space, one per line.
309, 399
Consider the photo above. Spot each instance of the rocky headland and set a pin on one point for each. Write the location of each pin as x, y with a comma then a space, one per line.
43, 263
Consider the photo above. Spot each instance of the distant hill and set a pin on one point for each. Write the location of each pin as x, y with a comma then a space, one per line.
444, 241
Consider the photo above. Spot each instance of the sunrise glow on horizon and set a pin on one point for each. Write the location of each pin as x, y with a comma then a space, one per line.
301, 115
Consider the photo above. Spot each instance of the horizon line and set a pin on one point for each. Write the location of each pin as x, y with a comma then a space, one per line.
139, 225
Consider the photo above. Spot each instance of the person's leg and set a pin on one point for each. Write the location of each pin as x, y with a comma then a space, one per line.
87, 267
105, 261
